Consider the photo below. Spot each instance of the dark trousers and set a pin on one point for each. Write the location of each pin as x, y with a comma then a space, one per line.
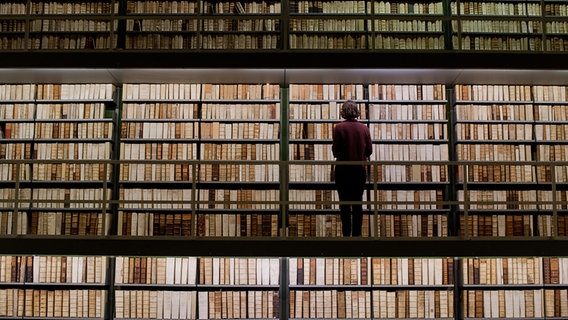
350, 184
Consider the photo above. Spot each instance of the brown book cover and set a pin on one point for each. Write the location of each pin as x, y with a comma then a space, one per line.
364, 271
312, 272
554, 271
411, 262
546, 270
300, 272
341, 305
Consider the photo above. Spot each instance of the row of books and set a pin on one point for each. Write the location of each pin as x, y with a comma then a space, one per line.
370, 271
385, 200
499, 43
17, 92
148, 270
161, 41
503, 112
160, 25
428, 92
433, 7
239, 305
499, 92
556, 44
160, 130
310, 225
56, 130
240, 111
68, 130
548, 226
409, 131
12, 26
238, 199
53, 7
337, 304
541, 270
156, 304
156, 171
327, 92
144, 223
266, 271
547, 132
495, 152
239, 172
338, 25
406, 112
249, 7
306, 130
557, 27
408, 25
332, 7
499, 199
53, 269
376, 111
246, 224
499, 26
513, 225
552, 153
407, 225
497, 225
174, 7
555, 9
247, 25
71, 41
65, 223
253, 130
328, 41
162, 91
404, 42
240, 41
162, 7
77, 172
173, 111
133, 198
68, 198
495, 132
12, 8
60, 25
497, 8
139, 304
239, 271
515, 303
43, 303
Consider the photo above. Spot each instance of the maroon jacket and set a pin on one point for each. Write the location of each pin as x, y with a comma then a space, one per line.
351, 141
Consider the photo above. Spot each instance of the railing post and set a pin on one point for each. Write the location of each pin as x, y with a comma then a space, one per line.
554, 201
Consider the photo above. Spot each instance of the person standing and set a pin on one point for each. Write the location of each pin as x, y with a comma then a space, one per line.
351, 142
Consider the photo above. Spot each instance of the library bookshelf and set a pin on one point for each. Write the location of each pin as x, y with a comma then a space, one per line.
171, 159
538, 25
419, 132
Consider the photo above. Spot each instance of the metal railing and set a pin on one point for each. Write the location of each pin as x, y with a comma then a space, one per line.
538, 202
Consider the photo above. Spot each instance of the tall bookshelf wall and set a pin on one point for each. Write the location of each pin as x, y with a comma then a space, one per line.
206, 124
409, 123
517, 126
46, 123
538, 25
174, 138
185, 131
